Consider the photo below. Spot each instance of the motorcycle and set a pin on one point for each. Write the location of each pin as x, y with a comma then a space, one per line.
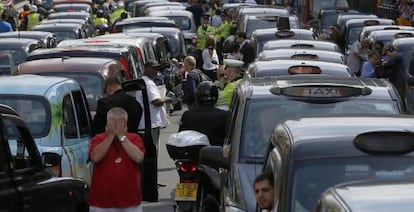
199, 186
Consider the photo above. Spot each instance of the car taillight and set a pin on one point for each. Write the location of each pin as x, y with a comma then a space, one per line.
125, 64
188, 167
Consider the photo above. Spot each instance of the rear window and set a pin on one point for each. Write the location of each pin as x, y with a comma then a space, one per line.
310, 178
262, 116
254, 24
32, 110
182, 22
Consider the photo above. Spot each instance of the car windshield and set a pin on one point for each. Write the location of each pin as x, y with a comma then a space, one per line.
353, 35
263, 115
182, 22
92, 84
310, 176
32, 110
328, 19
253, 24
65, 36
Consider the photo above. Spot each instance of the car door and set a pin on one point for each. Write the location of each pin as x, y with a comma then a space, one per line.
26, 170
78, 134
8, 196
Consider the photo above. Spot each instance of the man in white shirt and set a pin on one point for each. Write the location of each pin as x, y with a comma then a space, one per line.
158, 114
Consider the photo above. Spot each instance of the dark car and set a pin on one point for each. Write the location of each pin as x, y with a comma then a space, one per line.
87, 29
139, 22
387, 36
63, 31
74, 15
353, 28
302, 54
128, 56
293, 67
309, 155
136, 8
261, 36
301, 44
344, 17
370, 195
14, 51
24, 174
328, 17
366, 31
89, 72
48, 39
175, 39
259, 104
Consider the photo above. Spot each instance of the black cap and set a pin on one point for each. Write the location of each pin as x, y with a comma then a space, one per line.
205, 16
152, 64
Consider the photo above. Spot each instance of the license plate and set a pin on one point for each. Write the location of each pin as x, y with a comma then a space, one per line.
186, 192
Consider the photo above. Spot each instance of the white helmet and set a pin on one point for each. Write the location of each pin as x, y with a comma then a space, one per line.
38, 2
120, 4
33, 8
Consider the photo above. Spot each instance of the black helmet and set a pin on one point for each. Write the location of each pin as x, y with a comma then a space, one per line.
207, 93
99, 13
26, 7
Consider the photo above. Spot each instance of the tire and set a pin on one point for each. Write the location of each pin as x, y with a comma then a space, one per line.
209, 204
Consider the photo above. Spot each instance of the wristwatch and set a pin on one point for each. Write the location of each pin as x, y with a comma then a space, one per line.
122, 138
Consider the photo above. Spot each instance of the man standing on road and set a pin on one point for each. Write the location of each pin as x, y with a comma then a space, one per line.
247, 52
117, 97
234, 75
190, 82
116, 154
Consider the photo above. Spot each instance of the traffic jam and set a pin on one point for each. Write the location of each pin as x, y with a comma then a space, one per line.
285, 105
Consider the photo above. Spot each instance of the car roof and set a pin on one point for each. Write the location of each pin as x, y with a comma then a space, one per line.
56, 27
281, 66
301, 33
260, 87
144, 19
166, 7
17, 42
66, 64
82, 52
69, 14
65, 5
389, 33
162, 30
327, 137
26, 34
365, 195
289, 42
323, 55
29, 84
171, 13
68, 20
361, 21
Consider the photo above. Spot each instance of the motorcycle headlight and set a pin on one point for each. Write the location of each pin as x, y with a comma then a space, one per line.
233, 209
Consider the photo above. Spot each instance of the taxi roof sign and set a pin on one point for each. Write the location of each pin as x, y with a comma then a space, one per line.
321, 91
371, 22
385, 142
284, 33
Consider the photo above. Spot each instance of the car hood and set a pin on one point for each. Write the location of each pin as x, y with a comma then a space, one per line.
246, 175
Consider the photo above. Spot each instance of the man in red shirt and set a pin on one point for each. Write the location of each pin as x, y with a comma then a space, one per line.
116, 155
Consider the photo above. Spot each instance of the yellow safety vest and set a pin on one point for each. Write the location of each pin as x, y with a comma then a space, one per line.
227, 93
32, 20
99, 21
202, 35
116, 14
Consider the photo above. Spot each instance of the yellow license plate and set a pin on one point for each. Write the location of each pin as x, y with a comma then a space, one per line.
186, 192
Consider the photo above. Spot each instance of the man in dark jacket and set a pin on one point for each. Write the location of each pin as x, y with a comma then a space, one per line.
247, 52
206, 118
394, 66
117, 97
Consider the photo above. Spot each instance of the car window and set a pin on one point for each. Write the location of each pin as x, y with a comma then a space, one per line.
23, 154
69, 118
253, 24
82, 114
310, 178
261, 117
32, 110
182, 22
354, 35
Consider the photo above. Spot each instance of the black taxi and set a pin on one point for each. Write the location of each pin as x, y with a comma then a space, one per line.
301, 44
302, 54
259, 104
309, 155
25, 183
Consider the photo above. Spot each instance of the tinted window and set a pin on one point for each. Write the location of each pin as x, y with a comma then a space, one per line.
33, 111
261, 116
354, 35
253, 24
19, 141
310, 178
82, 114
182, 22
69, 118
19, 55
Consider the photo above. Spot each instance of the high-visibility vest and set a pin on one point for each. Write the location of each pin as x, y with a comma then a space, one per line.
32, 20
116, 14
99, 21
203, 34
226, 94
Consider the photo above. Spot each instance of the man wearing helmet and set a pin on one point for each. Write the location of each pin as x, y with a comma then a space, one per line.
22, 15
33, 19
205, 117
40, 9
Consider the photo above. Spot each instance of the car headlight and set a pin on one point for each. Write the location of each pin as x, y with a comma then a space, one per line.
233, 209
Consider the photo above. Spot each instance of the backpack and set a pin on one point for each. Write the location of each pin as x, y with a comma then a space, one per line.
201, 76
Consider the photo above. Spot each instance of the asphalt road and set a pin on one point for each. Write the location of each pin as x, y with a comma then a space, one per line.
167, 173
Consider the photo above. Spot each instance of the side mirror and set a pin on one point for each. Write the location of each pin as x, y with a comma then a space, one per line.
50, 159
213, 156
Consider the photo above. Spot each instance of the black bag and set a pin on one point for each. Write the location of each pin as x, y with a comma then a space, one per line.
201, 76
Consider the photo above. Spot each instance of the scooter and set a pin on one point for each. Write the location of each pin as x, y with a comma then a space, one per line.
199, 186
